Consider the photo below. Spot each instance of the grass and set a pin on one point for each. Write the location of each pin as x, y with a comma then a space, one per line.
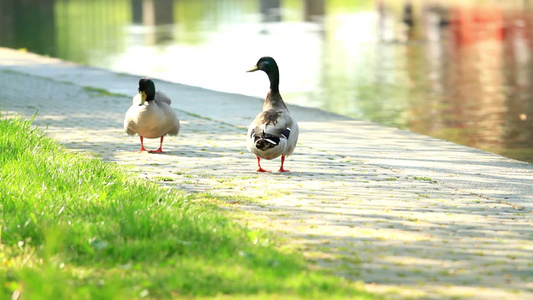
421, 178
101, 92
73, 227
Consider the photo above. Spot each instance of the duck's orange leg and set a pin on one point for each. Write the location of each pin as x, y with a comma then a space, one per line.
281, 168
259, 164
142, 144
160, 150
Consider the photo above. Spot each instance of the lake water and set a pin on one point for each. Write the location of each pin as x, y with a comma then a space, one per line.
460, 72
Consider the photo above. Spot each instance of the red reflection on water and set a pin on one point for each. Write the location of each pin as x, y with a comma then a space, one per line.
469, 25
484, 80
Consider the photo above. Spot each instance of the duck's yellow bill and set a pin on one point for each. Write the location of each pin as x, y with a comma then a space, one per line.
143, 98
255, 68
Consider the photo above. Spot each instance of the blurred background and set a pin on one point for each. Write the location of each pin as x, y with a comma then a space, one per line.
455, 70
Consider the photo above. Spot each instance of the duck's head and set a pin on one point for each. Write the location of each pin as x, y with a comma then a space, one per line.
147, 90
266, 64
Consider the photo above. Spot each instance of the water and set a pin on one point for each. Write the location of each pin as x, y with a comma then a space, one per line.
460, 72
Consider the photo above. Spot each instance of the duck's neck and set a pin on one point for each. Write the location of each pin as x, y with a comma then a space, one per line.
273, 99
273, 76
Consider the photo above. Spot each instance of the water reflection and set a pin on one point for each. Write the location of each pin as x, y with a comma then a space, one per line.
152, 12
461, 72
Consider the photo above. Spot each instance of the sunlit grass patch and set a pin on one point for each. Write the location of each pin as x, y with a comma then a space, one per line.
73, 227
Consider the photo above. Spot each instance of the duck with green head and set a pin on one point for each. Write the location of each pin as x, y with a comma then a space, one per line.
150, 115
274, 132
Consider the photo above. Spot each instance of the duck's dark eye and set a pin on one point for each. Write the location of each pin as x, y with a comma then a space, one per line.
265, 65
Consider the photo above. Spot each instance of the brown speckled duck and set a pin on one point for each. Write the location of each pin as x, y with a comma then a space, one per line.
274, 132
150, 115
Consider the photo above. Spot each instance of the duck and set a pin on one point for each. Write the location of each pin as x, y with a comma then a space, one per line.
150, 115
273, 132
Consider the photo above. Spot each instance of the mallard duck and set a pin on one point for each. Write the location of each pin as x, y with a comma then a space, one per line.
150, 115
273, 132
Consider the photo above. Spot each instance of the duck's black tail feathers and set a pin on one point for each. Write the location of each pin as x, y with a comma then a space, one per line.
264, 141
